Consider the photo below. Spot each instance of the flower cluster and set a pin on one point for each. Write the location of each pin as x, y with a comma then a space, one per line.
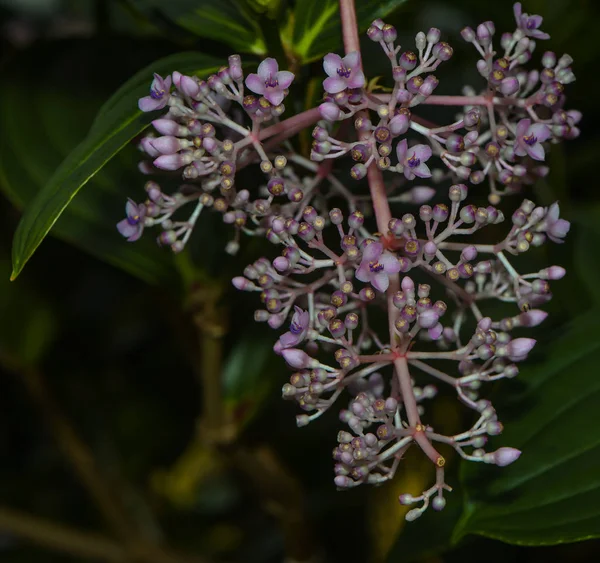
500, 133
334, 289
351, 287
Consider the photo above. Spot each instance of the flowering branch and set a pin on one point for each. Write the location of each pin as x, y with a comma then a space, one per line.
339, 270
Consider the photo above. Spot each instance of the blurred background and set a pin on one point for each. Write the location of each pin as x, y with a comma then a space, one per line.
140, 409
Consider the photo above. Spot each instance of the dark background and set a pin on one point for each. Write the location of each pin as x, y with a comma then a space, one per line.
100, 372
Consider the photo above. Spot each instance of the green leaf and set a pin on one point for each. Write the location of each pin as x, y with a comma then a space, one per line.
248, 376
117, 123
228, 21
551, 494
586, 248
316, 25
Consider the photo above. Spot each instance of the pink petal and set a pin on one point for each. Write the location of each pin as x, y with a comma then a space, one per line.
352, 60
334, 85
422, 171
381, 281
304, 319
537, 34
267, 68
422, 152
553, 212
540, 131
372, 251
274, 95
390, 263
176, 78
560, 228
536, 152
284, 78
523, 127
130, 208
289, 339
401, 150
126, 228
148, 103
536, 20
517, 11
519, 149
363, 273
356, 80
255, 83
331, 63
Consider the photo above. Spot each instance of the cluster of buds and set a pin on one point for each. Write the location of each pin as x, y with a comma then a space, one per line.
340, 276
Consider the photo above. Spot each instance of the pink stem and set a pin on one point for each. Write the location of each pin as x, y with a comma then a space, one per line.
456, 101
383, 215
291, 126
349, 26
406, 389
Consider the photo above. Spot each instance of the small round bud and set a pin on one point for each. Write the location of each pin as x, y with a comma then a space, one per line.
438, 503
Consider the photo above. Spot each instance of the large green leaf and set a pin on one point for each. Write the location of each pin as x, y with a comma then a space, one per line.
29, 166
586, 248
228, 21
248, 375
316, 26
552, 493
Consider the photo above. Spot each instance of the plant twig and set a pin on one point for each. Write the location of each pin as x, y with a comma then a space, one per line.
281, 495
80, 544
80, 457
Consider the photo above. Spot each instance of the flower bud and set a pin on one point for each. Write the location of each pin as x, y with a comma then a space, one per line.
506, 456
329, 111
297, 358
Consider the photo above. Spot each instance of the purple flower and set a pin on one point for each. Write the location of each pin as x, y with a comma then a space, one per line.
413, 159
132, 226
376, 266
298, 329
270, 82
529, 25
556, 228
342, 73
159, 94
530, 138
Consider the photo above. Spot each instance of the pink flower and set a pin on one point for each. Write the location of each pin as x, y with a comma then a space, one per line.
376, 266
556, 228
270, 82
298, 329
342, 73
530, 138
529, 24
159, 94
133, 226
413, 160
